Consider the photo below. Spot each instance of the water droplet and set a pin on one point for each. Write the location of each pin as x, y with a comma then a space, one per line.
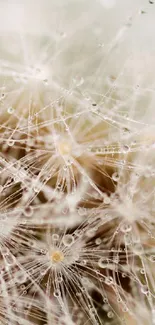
10, 110
10, 143
59, 279
110, 314
98, 241
68, 240
144, 289
90, 233
102, 263
56, 293
115, 176
142, 271
20, 277
107, 199
9, 259
152, 258
4, 250
126, 148
55, 237
28, 211
126, 228
109, 280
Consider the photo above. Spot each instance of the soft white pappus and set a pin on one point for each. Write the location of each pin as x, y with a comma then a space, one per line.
77, 162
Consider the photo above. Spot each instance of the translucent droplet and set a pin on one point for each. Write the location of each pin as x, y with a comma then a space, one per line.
98, 241
68, 240
4, 250
144, 289
59, 279
126, 228
20, 277
116, 259
55, 237
126, 148
115, 176
127, 238
152, 258
123, 275
107, 199
10, 110
102, 263
28, 211
91, 232
10, 143
110, 314
109, 280
9, 259
142, 271
56, 293
125, 309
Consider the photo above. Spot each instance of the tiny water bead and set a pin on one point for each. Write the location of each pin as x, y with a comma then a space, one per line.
107, 199
10, 142
20, 277
55, 237
126, 228
142, 271
126, 148
110, 314
115, 177
144, 289
28, 211
109, 280
59, 279
98, 241
102, 263
9, 259
10, 110
56, 293
152, 258
57, 256
68, 240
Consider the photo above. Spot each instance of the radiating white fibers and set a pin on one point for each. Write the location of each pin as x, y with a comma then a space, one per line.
77, 162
